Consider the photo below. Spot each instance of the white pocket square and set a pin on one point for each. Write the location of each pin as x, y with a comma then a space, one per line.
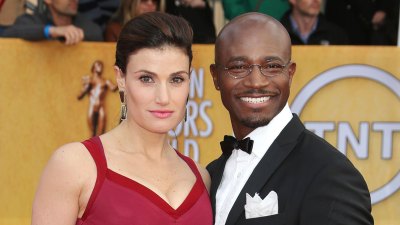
257, 207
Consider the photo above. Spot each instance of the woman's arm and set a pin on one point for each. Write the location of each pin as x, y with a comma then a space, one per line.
57, 197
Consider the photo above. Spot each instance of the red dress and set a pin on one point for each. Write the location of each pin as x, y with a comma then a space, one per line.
118, 200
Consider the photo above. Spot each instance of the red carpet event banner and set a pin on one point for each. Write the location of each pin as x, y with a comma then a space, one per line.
348, 95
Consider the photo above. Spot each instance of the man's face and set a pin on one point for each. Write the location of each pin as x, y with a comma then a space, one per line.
307, 7
64, 7
254, 100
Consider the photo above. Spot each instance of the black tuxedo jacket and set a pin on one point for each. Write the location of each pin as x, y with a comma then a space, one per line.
315, 183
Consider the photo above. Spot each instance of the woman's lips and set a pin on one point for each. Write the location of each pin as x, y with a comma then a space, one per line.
162, 114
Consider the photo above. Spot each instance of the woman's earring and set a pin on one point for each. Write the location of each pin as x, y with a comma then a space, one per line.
124, 109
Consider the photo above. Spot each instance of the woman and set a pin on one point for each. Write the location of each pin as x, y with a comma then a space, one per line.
131, 175
127, 10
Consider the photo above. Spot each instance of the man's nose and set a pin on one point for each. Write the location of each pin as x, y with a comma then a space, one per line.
256, 79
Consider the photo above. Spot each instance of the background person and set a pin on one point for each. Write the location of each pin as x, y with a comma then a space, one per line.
98, 11
127, 10
274, 8
61, 21
354, 16
307, 26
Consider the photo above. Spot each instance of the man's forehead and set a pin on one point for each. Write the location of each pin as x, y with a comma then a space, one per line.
239, 28
252, 33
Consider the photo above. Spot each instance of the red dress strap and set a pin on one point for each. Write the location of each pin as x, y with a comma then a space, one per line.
191, 164
96, 150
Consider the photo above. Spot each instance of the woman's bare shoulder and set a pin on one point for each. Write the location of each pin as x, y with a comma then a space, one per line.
70, 153
71, 158
61, 184
205, 175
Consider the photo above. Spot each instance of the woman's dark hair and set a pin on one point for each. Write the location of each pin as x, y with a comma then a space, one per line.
153, 30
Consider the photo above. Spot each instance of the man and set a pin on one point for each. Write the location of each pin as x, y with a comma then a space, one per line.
61, 22
306, 25
291, 176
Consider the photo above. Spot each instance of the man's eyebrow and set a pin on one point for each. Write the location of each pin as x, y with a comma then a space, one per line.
237, 58
273, 58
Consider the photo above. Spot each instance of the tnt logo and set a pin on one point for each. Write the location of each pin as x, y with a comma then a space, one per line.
357, 109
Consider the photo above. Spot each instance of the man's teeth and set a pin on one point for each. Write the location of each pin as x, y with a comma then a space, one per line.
255, 100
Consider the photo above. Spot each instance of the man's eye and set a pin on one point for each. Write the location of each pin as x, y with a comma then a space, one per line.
237, 68
146, 79
273, 66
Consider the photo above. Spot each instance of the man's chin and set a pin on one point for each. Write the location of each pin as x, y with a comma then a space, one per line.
254, 122
70, 13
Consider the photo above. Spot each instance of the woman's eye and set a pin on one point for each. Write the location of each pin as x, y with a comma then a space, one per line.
177, 80
146, 79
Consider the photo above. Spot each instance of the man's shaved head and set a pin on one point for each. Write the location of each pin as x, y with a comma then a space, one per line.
250, 25
253, 41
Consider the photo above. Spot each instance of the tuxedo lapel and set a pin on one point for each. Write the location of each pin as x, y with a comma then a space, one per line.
216, 177
276, 154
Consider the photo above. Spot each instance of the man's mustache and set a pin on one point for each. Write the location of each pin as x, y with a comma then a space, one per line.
257, 91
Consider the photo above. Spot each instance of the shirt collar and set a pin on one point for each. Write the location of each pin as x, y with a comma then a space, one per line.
296, 30
265, 135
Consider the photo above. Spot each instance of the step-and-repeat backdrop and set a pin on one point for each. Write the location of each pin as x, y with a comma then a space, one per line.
348, 95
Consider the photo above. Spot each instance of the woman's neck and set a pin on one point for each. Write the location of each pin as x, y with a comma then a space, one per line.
134, 139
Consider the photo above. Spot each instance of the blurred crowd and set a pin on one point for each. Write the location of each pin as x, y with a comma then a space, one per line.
309, 22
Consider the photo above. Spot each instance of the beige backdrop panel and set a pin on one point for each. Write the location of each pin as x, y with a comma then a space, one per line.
40, 81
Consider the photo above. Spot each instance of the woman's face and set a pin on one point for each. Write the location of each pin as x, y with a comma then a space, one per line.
156, 85
145, 6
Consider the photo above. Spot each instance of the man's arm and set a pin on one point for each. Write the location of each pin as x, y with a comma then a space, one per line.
32, 28
338, 195
28, 27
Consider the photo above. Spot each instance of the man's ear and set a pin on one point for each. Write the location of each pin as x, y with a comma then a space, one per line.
120, 77
214, 74
291, 71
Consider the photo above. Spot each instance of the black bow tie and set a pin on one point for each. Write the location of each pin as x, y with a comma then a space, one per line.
229, 143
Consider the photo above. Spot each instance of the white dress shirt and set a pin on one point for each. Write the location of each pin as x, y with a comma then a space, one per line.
240, 165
